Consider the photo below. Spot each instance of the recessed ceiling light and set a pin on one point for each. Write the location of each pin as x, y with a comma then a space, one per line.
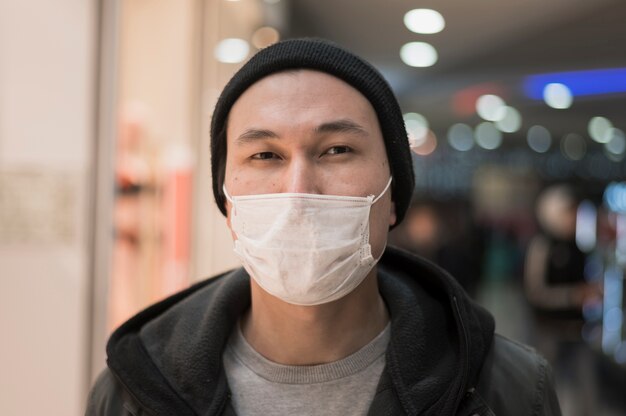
232, 50
425, 21
418, 54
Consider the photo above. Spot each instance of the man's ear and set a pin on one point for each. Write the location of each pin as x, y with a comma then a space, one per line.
227, 207
228, 223
392, 214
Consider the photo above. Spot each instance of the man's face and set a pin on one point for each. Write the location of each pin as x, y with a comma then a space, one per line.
308, 132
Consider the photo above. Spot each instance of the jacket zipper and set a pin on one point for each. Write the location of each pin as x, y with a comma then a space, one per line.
466, 350
222, 407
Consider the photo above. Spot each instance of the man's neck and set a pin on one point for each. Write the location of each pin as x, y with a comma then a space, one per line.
308, 335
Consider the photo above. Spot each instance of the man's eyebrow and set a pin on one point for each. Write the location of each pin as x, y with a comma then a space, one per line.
341, 126
255, 134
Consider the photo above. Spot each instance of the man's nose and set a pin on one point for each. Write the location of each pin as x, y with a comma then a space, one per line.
301, 177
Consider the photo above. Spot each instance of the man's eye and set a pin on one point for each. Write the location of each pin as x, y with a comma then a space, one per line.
337, 150
264, 156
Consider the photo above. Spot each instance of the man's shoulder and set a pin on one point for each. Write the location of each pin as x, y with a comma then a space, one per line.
516, 357
107, 397
516, 379
188, 303
175, 342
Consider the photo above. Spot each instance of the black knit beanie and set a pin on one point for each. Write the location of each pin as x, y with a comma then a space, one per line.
324, 56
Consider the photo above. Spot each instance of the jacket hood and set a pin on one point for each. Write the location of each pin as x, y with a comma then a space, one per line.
169, 356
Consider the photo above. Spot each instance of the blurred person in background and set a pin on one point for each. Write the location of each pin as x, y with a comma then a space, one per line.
311, 167
554, 277
557, 288
442, 233
424, 230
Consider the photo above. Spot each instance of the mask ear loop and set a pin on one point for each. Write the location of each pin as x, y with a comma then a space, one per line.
384, 190
226, 194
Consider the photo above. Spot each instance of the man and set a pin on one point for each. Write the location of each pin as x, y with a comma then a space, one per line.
311, 166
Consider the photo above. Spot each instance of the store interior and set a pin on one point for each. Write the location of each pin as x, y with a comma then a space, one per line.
515, 113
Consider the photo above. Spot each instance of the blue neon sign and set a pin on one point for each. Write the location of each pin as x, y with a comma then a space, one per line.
580, 83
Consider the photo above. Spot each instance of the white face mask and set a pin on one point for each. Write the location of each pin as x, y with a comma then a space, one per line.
305, 249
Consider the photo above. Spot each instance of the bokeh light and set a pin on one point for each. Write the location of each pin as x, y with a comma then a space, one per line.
264, 37
424, 21
232, 50
586, 232
428, 145
613, 319
599, 129
573, 146
615, 148
615, 196
557, 95
489, 107
461, 137
488, 136
508, 119
418, 54
416, 128
539, 139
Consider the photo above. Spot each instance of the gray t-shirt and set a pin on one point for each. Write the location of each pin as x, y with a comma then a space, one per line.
344, 387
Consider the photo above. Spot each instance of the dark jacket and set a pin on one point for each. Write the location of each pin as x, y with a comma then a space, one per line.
443, 358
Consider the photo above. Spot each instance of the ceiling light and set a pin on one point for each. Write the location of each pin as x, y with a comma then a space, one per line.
557, 95
425, 21
418, 54
232, 50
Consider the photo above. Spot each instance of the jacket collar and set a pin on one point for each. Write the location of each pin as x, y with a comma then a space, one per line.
169, 357
439, 337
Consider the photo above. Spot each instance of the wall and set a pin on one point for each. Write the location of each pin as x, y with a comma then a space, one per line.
47, 52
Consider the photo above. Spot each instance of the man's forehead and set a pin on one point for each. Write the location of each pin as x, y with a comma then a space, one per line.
292, 78
310, 91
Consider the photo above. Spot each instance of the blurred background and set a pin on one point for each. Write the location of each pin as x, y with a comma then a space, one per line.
516, 114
